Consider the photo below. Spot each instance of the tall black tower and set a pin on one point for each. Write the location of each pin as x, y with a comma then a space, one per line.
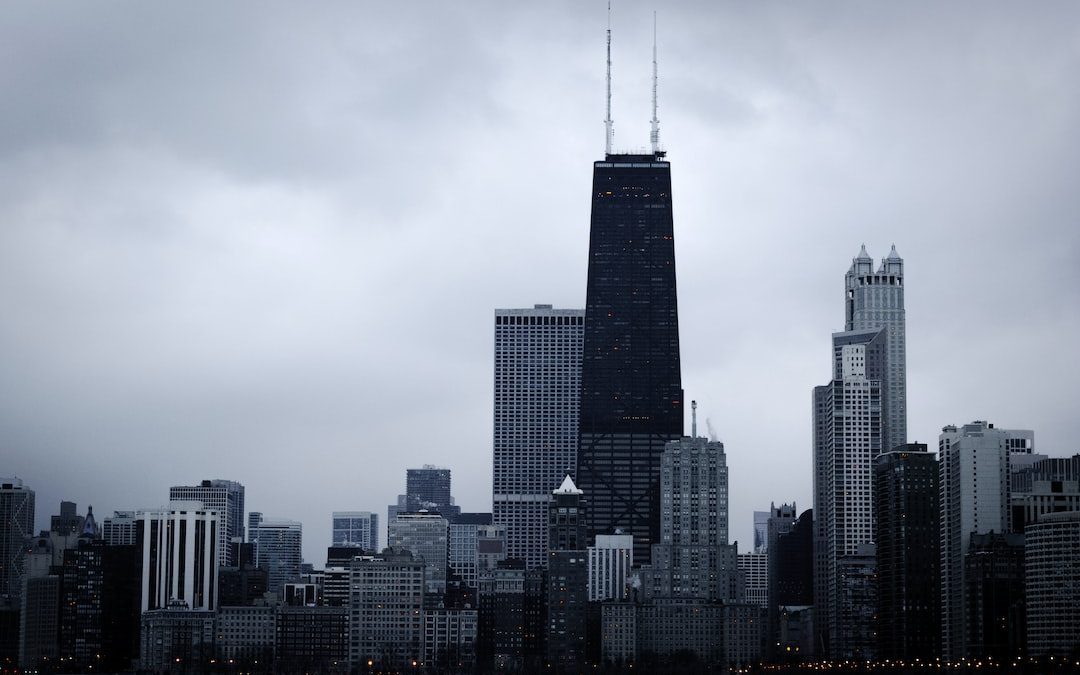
631, 383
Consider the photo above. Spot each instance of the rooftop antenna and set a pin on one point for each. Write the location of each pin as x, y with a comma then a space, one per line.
608, 124
693, 415
654, 135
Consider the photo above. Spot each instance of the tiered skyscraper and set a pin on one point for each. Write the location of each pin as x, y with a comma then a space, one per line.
857, 416
631, 382
537, 398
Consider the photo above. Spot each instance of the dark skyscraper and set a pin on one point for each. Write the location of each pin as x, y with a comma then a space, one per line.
631, 384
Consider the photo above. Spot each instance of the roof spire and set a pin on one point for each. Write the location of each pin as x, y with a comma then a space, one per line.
654, 135
608, 124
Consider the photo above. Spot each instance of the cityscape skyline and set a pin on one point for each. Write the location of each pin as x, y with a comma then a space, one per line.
121, 391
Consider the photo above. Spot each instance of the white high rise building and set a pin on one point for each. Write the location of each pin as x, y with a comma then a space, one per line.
227, 498
974, 475
848, 436
180, 556
610, 561
876, 300
537, 400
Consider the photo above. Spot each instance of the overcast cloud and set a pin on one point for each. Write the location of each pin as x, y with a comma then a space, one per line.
264, 241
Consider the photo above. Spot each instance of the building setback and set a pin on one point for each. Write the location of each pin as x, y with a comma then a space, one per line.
537, 401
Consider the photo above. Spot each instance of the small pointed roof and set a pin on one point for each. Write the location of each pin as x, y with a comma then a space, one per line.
90, 528
568, 487
863, 255
893, 255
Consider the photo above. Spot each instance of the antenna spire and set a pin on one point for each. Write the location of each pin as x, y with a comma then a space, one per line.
654, 135
693, 415
608, 124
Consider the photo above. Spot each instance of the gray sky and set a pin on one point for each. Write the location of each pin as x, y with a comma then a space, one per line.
264, 241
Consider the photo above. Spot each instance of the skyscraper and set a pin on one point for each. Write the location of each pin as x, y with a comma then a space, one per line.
974, 479
537, 398
278, 547
428, 488
906, 533
16, 528
631, 382
356, 528
178, 544
847, 439
876, 300
226, 497
426, 536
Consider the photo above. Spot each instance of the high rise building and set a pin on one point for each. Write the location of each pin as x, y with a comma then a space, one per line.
226, 497
67, 521
463, 537
610, 561
631, 381
791, 589
278, 550
356, 528
1046, 485
1052, 584
974, 487
848, 436
120, 529
428, 488
537, 399
754, 568
875, 300
995, 618
386, 611
693, 559
761, 531
16, 529
179, 548
908, 553
426, 536
568, 578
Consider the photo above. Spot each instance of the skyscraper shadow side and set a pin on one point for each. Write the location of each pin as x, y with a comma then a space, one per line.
631, 384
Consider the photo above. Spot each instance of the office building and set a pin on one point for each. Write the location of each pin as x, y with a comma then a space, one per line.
120, 529
537, 399
744, 634
356, 528
312, 639
226, 497
755, 573
463, 557
856, 605
16, 530
428, 488
67, 521
906, 535
610, 560
848, 436
425, 535
177, 639
995, 615
1046, 485
278, 550
875, 301
450, 635
568, 578
631, 381
761, 531
512, 630
974, 481
245, 637
179, 548
99, 616
386, 611
1052, 584
39, 611
693, 558
791, 586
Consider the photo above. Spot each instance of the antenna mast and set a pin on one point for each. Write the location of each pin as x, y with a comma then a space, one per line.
608, 124
654, 135
693, 415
